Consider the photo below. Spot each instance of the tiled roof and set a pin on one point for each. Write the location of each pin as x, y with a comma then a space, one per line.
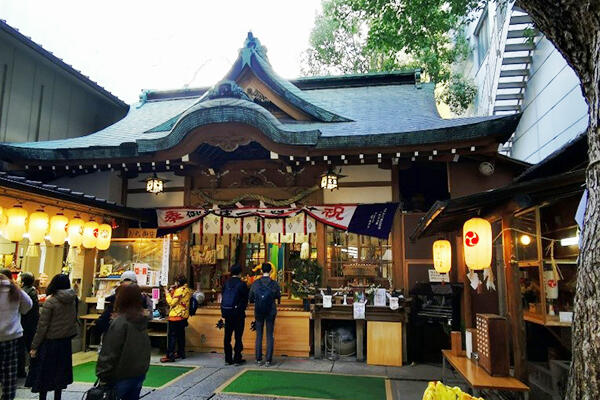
371, 110
14, 32
65, 194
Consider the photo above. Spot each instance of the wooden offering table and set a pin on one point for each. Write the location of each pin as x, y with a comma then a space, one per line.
477, 378
398, 320
292, 331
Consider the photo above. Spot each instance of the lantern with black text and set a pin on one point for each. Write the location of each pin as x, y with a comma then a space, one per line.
329, 180
75, 232
38, 226
154, 184
90, 234
477, 242
104, 236
16, 226
442, 256
58, 229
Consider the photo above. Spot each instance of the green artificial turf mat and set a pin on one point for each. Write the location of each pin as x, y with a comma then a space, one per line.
309, 385
157, 376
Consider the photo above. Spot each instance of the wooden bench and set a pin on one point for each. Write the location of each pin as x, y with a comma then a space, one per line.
477, 378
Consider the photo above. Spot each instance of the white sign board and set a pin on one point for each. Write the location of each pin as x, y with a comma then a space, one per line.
394, 303
380, 298
327, 301
359, 310
435, 276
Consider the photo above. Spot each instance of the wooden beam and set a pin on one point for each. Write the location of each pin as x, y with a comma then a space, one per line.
397, 236
462, 277
322, 251
515, 308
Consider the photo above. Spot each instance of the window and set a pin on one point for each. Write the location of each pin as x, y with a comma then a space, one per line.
349, 248
482, 35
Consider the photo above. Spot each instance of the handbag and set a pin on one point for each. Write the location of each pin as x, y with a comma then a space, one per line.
101, 392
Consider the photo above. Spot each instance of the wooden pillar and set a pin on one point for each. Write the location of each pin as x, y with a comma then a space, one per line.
322, 251
124, 187
397, 234
187, 190
513, 296
462, 277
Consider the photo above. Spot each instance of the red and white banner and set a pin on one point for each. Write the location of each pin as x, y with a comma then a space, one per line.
371, 219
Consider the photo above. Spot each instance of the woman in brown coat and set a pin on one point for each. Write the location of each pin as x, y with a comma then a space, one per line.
52, 365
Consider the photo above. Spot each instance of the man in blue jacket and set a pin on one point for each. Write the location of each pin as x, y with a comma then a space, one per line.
233, 309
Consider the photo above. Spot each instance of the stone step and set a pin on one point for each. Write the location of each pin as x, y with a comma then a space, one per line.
507, 108
519, 47
516, 60
512, 85
509, 96
520, 19
514, 72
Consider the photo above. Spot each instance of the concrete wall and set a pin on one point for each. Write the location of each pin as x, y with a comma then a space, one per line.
554, 110
41, 101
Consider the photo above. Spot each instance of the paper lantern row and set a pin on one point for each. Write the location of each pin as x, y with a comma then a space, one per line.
13, 224
477, 242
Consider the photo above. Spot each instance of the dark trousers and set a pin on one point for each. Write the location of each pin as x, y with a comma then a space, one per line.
24, 348
176, 337
129, 389
234, 325
260, 323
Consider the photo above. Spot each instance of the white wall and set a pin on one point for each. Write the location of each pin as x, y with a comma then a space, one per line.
363, 194
554, 110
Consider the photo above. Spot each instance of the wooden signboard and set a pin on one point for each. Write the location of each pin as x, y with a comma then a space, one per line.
492, 344
360, 269
141, 233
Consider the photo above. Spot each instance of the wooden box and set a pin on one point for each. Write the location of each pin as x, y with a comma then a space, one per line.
492, 344
384, 343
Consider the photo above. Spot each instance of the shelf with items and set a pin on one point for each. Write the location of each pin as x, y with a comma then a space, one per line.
546, 250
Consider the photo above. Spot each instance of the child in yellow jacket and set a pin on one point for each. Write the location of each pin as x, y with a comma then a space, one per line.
179, 303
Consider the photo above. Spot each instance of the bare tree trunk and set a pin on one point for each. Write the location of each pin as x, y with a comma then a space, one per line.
573, 26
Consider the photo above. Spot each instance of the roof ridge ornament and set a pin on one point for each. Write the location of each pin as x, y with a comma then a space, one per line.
226, 89
252, 44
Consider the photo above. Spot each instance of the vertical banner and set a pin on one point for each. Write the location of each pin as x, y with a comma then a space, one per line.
373, 220
164, 270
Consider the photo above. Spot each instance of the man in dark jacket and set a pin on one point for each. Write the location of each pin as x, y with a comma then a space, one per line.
29, 321
263, 293
233, 310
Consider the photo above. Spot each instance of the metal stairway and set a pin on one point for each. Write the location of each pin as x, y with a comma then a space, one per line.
516, 61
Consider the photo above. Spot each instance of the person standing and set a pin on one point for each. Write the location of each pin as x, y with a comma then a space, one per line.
125, 356
233, 310
29, 321
102, 323
52, 364
263, 294
13, 303
178, 299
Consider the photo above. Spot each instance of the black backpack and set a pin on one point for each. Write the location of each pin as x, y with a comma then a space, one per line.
229, 301
264, 297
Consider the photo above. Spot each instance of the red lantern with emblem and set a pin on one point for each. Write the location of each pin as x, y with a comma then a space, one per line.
477, 241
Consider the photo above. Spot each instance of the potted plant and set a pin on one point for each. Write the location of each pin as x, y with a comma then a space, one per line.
306, 280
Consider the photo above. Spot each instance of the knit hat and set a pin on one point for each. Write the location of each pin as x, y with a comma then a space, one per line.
129, 276
236, 269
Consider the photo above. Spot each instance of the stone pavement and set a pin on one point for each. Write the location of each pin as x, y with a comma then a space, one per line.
408, 382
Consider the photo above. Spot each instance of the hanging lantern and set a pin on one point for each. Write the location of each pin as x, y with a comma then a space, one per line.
477, 241
90, 234
104, 236
329, 180
58, 229
16, 223
442, 256
154, 184
75, 231
38, 226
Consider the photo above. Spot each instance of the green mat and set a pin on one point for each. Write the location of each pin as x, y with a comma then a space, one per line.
157, 376
308, 385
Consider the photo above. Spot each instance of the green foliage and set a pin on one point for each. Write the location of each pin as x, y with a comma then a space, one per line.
458, 93
358, 36
307, 276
